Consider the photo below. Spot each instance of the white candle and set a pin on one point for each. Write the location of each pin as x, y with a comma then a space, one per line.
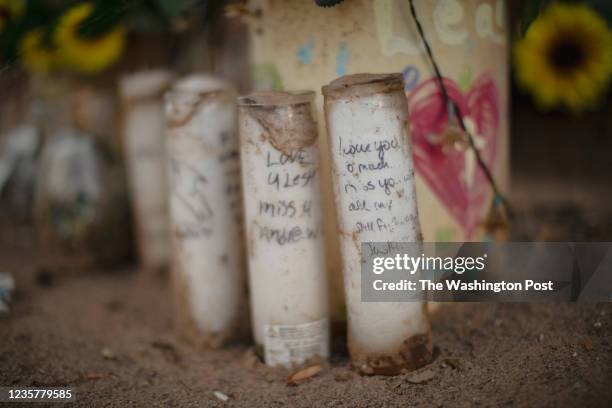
375, 196
280, 173
143, 137
205, 210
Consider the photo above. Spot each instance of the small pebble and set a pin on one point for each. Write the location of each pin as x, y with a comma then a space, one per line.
107, 353
221, 396
422, 377
453, 363
541, 337
597, 325
304, 374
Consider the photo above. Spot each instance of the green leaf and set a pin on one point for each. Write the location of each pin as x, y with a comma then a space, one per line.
531, 11
145, 22
172, 8
106, 15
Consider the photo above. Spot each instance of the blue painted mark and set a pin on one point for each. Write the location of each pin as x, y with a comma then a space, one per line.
471, 45
305, 52
342, 59
450, 110
411, 77
497, 201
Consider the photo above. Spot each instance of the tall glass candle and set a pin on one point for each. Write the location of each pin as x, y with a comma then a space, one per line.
205, 210
373, 177
280, 173
143, 140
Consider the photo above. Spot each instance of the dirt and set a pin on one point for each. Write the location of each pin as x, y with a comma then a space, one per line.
289, 127
109, 335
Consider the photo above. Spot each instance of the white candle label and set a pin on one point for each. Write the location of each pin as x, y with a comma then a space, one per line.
294, 344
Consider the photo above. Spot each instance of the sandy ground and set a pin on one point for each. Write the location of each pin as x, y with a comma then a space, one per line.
110, 336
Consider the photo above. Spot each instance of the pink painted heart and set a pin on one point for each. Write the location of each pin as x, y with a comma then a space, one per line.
453, 174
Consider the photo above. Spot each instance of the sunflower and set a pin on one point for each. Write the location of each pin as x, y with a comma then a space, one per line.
11, 10
84, 53
36, 55
565, 58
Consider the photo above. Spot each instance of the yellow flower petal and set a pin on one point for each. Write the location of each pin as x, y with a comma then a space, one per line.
87, 54
34, 54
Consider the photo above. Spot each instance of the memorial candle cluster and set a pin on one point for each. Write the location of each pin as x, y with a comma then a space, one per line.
271, 139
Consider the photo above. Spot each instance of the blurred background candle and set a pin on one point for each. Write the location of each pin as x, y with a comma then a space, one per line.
143, 136
205, 209
280, 173
81, 207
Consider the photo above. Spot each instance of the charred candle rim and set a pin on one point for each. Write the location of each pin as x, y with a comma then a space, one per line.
276, 98
363, 85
